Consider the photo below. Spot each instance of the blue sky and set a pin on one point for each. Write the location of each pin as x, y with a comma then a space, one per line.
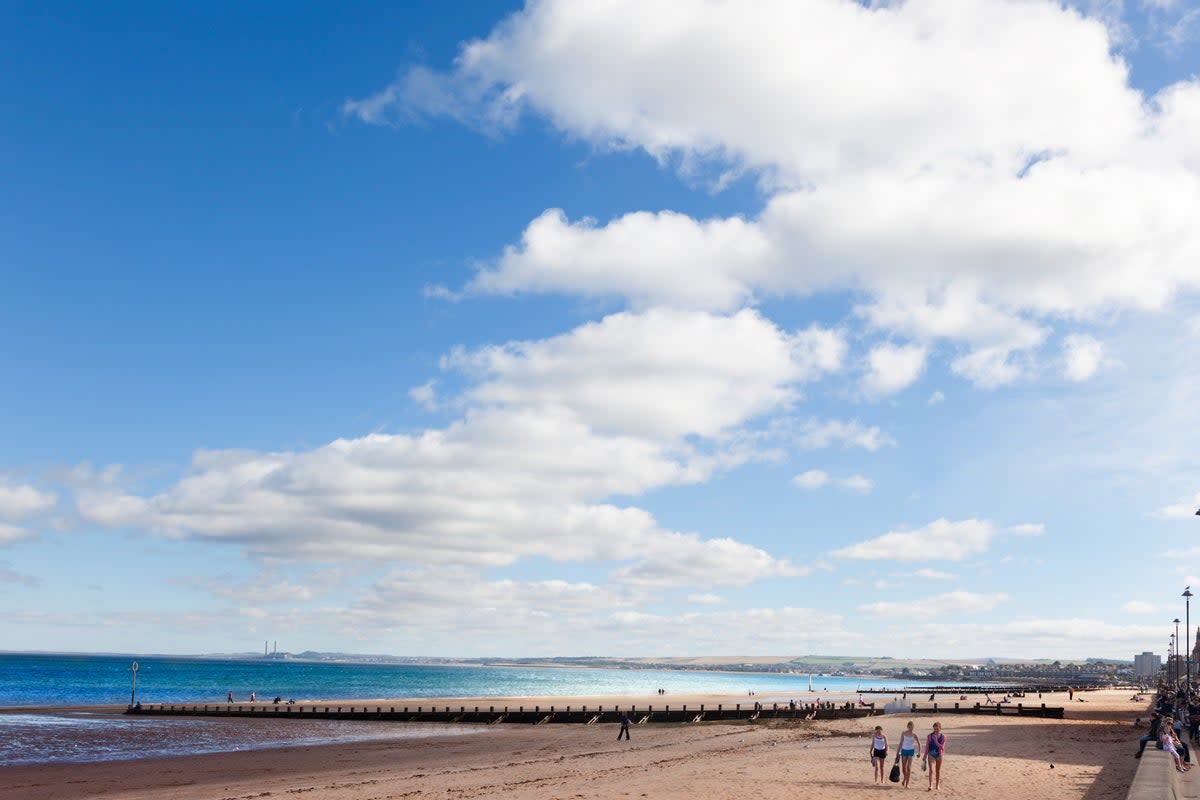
654, 328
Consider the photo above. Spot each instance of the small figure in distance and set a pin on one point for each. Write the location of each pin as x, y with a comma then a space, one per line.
624, 726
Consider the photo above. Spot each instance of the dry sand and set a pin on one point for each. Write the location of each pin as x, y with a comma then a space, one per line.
987, 756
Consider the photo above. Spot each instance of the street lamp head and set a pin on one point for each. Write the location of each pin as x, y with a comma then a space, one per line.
1187, 592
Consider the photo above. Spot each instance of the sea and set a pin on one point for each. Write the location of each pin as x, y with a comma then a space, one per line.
51, 706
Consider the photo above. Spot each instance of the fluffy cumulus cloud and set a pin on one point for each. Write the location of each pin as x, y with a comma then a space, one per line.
814, 434
891, 368
551, 431
660, 374
20, 501
545, 613
812, 479
934, 575
816, 478
1139, 607
857, 483
939, 606
1083, 356
21, 504
971, 195
940, 540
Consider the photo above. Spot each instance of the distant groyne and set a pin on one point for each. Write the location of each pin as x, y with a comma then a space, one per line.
582, 715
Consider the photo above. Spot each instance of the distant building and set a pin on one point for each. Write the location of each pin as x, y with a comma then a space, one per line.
1147, 665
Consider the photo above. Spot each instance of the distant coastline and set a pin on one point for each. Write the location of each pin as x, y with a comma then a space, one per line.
1083, 671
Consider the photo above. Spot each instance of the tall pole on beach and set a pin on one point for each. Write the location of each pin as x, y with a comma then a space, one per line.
1170, 658
1176, 648
1187, 637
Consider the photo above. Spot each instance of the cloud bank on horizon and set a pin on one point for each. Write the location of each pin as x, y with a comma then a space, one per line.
957, 210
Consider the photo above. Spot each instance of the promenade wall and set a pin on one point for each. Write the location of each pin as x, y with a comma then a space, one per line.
1156, 778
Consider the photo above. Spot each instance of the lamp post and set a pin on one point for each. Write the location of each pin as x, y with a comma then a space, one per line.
1176, 648
1171, 660
1187, 637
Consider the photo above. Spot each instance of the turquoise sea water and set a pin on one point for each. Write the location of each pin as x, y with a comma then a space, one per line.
44, 727
70, 680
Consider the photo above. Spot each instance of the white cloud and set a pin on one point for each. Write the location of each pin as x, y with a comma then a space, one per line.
1028, 529
963, 201
652, 259
1083, 356
940, 540
941, 606
661, 374
22, 501
1180, 510
814, 435
1139, 607
686, 560
812, 479
891, 368
425, 395
542, 614
934, 575
857, 483
987, 367
551, 430
935, 398
13, 533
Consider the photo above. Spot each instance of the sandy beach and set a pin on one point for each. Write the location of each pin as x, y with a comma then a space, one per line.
1087, 755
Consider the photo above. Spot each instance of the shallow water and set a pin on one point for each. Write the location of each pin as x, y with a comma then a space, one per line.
41, 738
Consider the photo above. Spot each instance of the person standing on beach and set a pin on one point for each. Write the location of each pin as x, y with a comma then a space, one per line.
879, 753
909, 747
624, 727
935, 748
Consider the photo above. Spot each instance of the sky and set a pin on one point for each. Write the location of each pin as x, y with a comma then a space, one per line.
654, 328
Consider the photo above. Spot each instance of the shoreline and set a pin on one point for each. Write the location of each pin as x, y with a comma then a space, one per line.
987, 756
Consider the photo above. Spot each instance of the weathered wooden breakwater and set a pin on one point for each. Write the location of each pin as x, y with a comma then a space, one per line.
582, 715
530, 715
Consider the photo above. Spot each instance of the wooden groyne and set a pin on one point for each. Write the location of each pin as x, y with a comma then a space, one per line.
995, 710
491, 715
1018, 690
582, 715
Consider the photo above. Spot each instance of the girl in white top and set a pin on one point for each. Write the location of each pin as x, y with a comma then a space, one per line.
909, 748
879, 752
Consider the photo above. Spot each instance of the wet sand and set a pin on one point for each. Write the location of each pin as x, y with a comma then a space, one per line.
987, 756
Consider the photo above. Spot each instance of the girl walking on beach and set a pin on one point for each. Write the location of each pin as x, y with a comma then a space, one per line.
879, 753
935, 748
909, 747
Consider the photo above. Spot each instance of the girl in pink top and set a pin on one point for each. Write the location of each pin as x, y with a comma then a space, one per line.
935, 748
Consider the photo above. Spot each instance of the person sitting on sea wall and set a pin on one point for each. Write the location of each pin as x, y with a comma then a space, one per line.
1168, 742
1177, 730
1151, 735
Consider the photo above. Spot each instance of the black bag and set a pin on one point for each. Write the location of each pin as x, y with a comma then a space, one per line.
894, 777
